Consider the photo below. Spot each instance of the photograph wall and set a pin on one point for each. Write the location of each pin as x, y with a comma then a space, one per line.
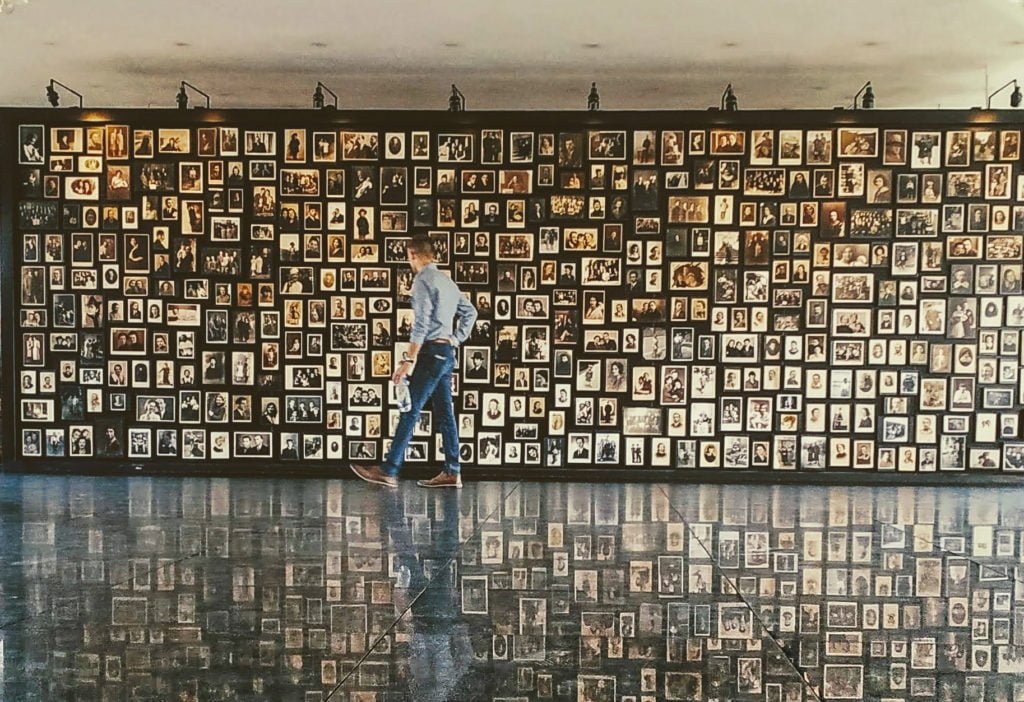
828, 297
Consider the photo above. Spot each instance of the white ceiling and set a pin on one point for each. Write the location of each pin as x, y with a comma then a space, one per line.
521, 54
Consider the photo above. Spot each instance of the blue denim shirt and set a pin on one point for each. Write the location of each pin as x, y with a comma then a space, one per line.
436, 300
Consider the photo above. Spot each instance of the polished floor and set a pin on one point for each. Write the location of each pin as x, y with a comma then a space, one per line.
307, 591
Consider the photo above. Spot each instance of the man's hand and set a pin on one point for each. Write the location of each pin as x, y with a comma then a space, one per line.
403, 370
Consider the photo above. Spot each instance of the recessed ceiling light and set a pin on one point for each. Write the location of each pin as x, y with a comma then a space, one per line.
592, 45
730, 44
182, 43
870, 43
452, 44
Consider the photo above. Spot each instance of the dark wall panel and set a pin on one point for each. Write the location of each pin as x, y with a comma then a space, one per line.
753, 292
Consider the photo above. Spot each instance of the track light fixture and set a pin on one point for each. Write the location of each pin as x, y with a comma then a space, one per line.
319, 102
1015, 96
456, 101
593, 100
729, 102
54, 97
182, 97
868, 101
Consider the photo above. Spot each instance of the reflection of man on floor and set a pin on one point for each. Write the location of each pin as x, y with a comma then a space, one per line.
440, 648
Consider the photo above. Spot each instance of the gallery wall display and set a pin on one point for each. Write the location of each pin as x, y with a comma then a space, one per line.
776, 292
217, 590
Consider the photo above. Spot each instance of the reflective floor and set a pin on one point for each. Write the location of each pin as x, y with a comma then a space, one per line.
306, 591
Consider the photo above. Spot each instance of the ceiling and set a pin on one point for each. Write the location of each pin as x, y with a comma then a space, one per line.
526, 54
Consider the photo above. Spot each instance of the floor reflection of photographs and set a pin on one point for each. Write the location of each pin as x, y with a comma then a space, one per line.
593, 688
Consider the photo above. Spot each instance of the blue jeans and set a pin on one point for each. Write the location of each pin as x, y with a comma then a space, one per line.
431, 379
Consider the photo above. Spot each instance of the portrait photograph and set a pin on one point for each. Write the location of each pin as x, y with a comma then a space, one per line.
727, 142
32, 147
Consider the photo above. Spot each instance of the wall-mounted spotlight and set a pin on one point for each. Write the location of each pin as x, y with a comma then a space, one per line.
54, 97
182, 97
729, 102
868, 101
593, 100
456, 101
319, 102
1015, 96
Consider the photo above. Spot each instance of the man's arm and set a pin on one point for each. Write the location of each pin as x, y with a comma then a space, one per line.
465, 315
422, 313
423, 307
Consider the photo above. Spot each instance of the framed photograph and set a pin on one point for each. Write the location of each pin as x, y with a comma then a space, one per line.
260, 143
858, 142
727, 142
764, 181
1009, 145
790, 147
360, 146
37, 410
32, 146
252, 444
819, 147
174, 141
688, 209
454, 148
66, 140
420, 146
607, 145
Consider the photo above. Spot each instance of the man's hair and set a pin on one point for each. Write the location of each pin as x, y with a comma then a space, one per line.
421, 246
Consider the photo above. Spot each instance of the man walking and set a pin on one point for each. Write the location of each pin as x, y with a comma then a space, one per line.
436, 300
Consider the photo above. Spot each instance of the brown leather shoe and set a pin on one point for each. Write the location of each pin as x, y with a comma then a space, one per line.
442, 480
373, 474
